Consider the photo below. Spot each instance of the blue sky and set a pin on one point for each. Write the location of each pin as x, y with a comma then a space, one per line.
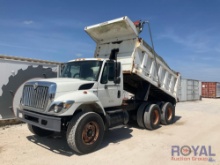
186, 33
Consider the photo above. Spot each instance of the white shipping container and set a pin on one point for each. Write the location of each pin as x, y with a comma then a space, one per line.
189, 90
15, 71
217, 89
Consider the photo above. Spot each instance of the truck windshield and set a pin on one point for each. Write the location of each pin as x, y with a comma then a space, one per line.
86, 70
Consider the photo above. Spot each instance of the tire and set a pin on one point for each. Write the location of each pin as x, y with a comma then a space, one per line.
39, 131
152, 117
140, 114
85, 132
168, 113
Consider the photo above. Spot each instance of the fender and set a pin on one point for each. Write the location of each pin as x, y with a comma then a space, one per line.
84, 100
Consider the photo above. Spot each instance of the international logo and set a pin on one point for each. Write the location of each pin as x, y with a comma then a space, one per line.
35, 85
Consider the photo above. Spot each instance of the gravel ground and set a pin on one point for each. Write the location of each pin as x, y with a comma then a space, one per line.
196, 126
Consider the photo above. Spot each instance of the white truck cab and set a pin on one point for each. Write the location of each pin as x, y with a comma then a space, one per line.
87, 98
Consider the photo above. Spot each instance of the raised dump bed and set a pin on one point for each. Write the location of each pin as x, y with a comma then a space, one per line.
140, 64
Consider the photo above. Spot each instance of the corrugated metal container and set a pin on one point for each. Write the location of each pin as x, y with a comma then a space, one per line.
211, 89
189, 90
15, 71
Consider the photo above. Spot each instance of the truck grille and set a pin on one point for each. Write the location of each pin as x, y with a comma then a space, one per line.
35, 97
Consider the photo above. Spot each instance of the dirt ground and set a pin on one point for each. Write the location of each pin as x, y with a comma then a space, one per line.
196, 127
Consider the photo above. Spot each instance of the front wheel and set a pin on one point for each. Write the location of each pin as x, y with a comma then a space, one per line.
85, 132
39, 131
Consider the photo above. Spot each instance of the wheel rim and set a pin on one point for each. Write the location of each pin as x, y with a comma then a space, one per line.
155, 117
90, 133
169, 114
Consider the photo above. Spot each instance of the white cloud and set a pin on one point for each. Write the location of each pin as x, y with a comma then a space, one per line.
204, 74
217, 48
66, 23
13, 46
25, 47
78, 55
198, 42
28, 22
199, 70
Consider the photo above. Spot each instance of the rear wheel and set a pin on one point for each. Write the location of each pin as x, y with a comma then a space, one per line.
152, 117
39, 131
85, 132
140, 114
168, 113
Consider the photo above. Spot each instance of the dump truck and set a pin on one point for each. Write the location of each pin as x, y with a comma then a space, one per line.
88, 98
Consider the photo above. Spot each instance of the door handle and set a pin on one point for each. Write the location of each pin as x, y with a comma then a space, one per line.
106, 86
119, 94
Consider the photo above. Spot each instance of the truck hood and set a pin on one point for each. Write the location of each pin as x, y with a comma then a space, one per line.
67, 84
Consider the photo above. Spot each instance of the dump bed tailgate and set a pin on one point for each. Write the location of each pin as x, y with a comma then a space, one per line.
114, 30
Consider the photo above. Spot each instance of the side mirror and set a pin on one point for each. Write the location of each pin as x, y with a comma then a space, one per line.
118, 69
117, 78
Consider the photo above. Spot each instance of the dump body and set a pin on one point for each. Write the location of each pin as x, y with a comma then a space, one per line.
139, 61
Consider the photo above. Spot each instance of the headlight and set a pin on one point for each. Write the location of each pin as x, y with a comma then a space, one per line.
57, 107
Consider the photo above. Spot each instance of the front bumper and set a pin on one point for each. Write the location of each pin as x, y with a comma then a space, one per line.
45, 122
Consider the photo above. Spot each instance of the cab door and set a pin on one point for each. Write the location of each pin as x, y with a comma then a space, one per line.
109, 91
